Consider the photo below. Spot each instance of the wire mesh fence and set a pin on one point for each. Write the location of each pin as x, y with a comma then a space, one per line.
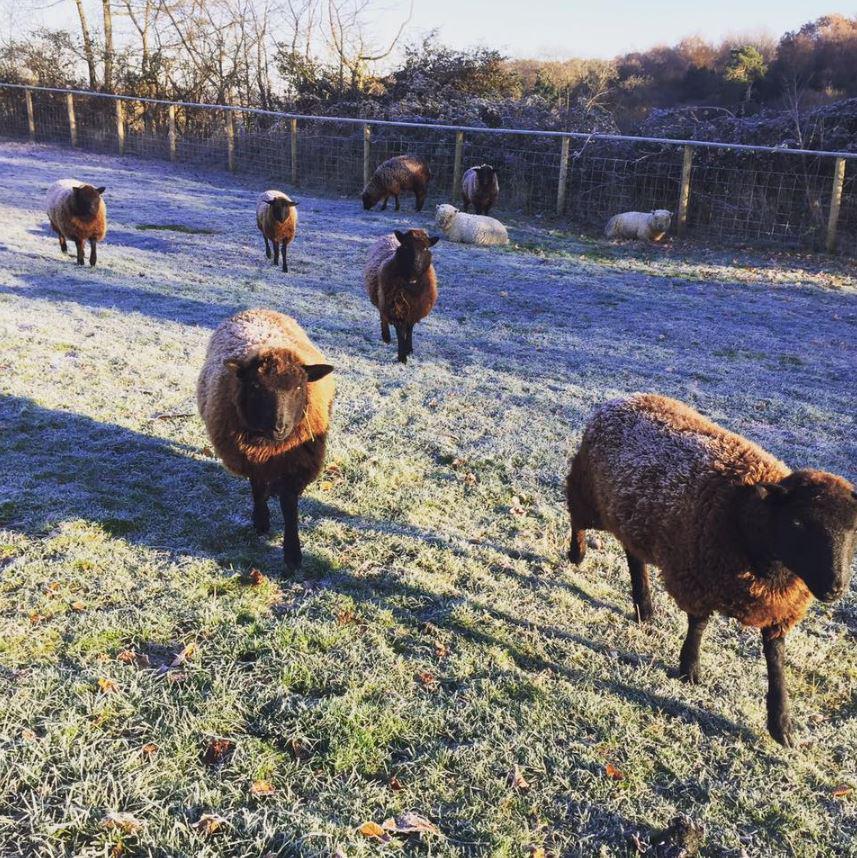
719, 192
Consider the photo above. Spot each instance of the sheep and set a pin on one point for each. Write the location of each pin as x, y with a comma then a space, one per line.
77, 212
265, 395
401, 282
469, 228
402, 173
646, 226
277, 219
480, 186
732, 529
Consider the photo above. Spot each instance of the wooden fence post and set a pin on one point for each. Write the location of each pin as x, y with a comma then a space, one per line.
31, 118
230, 141
294, 124
120, 126
563, 177
456, 165
72, 122
367, 154
171, 131
835, 203
684, 192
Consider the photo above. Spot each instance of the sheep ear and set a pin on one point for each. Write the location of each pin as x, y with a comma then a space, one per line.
234, 366
401, 237
291, 202
434, 240
770, 491
101, 190
316, 371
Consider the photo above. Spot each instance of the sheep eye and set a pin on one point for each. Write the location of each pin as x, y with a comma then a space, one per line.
797, 524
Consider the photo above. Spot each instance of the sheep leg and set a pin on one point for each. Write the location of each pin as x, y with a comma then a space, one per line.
385, 203
285, 260
78, 243
779, 717
401, 343
421, 200
689, 660
261, 516
93, 257
410, 339
276, 252
63, 244
267, 247
577, 549
385, 330
396, 198
640, 588
291, 539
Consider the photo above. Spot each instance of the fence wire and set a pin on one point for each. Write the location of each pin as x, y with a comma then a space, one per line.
734, 195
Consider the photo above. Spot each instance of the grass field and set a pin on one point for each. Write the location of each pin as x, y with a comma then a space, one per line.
438, 654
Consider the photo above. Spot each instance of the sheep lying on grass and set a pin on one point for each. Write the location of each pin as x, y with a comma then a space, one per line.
401, 282
277, 219
402, 173
480, 186
265, 397
731, 528
469, 228
77, 212
646, 226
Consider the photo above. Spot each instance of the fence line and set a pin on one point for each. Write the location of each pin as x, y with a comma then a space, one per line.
723, 190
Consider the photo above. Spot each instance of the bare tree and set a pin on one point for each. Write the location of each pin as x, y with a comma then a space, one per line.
88, 50
109, 52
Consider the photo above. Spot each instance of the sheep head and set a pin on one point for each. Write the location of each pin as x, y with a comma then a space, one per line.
86, 200
413, 257
809, 522
661, 220
271, 395
280, 208
485, 176
444, 214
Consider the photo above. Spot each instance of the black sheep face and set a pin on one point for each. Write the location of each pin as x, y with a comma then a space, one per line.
86, 200
369, 200
280, 208
272, 393
413, 257
814, 529
485, 175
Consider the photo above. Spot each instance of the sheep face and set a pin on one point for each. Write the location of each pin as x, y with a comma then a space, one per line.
485, 176
814, 529
413, 257
369, 200
272, 393
443, 215
661, 220
280, 208
86, 200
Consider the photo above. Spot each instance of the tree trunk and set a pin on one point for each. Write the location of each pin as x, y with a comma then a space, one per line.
87, 45
108, 45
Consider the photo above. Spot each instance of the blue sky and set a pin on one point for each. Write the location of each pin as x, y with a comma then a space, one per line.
604, 28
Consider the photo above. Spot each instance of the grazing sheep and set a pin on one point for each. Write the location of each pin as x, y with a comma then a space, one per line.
731, 528
480, 186
277, 219
469, 228
265, 396
77, 212
646, 226
402, 173
401, 281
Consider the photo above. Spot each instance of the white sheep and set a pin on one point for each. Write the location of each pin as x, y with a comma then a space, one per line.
469, 228
646, 226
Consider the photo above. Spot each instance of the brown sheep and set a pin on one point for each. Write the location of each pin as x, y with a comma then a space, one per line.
77, 212
731, 528
480, 186
277, 219
265, 396
402, 173
402, 284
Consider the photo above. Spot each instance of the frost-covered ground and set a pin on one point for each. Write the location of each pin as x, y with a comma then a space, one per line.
439, 640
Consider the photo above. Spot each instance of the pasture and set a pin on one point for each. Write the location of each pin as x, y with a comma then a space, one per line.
437, 654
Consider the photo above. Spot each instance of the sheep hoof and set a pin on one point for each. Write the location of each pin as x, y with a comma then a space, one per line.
782, 730
261, 521
292, 564
692, 675
643, 613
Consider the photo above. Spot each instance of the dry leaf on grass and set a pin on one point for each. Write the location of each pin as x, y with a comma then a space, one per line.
517, 780
409, 823
253, 578
107, 686
395, 784
131, 656
149, 750
345, 616
78, 607
52, 588
440, 649
842, 790
427, 679
260, 789
612, 772
127, 823
209, 823
181, 657
36, 618
373, 830
29, 735
218, 752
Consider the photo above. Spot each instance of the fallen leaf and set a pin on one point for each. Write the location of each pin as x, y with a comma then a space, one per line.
181, 657
36, 618
52, 588
345, 616
842, 790
107, 686
260, 789
209, 823
409, 823
149, 749
253, 578
78, 606
325, 485
218, 752
517, 780
427, 679
127, 823
612, 772
440, 649
395, 784
117, 850
372, 829
29, 735
131, 656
